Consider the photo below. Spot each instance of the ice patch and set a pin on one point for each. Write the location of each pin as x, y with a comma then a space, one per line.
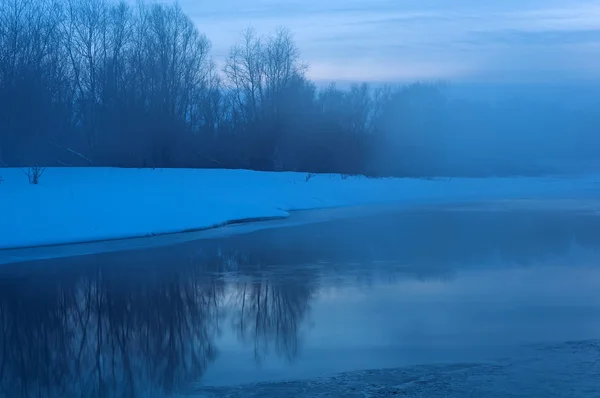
560, 370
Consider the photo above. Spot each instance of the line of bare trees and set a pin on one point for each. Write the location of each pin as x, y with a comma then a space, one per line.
107, 83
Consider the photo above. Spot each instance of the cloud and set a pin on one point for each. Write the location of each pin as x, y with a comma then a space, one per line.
421, 39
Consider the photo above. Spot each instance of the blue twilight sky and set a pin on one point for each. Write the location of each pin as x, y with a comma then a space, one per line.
398, 40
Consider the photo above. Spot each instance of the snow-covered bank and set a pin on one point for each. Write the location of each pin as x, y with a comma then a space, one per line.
79, 205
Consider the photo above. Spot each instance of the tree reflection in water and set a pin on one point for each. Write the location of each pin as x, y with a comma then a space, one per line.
137, 323
144, 323
100, 333
270, 314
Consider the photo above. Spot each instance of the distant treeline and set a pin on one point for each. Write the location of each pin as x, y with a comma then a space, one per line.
105, 83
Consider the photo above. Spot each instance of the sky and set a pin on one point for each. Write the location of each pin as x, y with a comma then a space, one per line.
402, 40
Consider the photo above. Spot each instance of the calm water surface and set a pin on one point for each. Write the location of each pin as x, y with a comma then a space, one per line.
450, 287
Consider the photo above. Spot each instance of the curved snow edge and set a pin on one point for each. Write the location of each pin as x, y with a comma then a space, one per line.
147, 235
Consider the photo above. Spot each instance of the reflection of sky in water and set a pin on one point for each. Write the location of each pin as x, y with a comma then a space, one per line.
477, 315
382, 291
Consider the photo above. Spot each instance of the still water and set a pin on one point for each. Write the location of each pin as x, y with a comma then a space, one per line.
386, 300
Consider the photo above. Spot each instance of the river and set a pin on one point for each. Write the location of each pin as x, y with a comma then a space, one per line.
489, 300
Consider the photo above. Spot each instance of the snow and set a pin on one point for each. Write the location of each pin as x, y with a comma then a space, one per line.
72, 205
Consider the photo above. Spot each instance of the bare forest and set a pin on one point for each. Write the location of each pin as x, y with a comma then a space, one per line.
106, 83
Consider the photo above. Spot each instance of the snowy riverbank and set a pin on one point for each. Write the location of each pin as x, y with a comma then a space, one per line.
79, 205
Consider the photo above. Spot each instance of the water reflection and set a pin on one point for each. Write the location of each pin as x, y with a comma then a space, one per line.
105, 335
269, 313
146, 323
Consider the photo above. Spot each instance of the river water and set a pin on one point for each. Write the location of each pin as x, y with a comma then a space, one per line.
441, 301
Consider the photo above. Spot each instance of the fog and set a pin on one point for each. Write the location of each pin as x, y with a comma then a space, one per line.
483, 91
492, 129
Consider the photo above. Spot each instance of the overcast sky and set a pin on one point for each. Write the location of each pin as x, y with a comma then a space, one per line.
398, 40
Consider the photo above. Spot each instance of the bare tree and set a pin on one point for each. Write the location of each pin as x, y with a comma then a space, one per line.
86, 34
244, 70
110, 84
282, 66
34, 95
259, 72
